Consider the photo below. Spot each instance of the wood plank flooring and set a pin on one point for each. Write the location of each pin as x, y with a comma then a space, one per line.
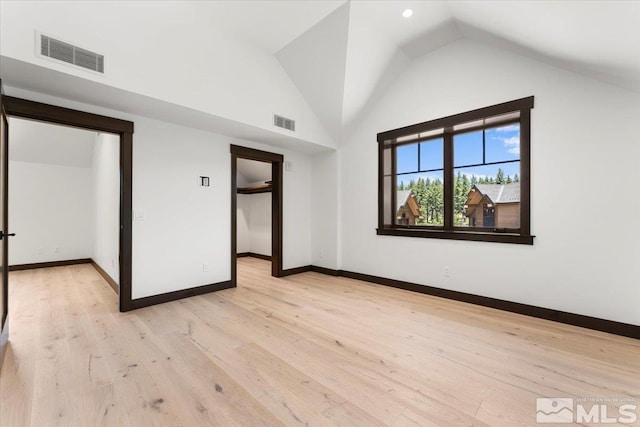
304, 350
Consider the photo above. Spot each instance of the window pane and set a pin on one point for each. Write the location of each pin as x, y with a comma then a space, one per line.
487, 196
420, 199
502, 143
407, 158
467, 149
431, 154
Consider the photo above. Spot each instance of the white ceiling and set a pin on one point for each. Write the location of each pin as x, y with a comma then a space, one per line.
37, 142
251, 171
597, 38
600, 39
269, 24
342, 55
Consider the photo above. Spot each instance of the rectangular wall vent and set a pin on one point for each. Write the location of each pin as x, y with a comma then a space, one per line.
71, 54
283, 122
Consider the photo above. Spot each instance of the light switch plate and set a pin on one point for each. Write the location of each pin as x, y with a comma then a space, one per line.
138, 214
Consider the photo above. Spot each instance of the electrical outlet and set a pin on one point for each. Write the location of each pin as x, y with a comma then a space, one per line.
113, 262
58, 250
447, 272
40, 251
205, 267
321, 253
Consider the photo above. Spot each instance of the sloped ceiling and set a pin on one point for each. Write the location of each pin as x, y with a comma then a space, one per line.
37, 142
339, 56
270, 24
316, 62
341, 75
252, 171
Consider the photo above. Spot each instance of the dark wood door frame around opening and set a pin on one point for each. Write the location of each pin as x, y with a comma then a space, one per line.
276, 160
22, 108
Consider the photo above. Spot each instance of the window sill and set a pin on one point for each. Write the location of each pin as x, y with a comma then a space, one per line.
458, 235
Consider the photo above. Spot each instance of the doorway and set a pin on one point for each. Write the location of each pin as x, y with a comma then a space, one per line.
45, 113
274, 188
64, 196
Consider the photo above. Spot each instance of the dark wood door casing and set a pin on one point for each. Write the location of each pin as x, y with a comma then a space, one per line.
26, 109
276, 160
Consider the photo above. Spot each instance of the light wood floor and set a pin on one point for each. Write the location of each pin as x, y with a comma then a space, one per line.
306, 350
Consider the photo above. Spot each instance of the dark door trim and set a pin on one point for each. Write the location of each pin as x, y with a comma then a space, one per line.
276, 160
4, 282
23, 108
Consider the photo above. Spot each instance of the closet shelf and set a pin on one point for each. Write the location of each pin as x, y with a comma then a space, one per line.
264, 188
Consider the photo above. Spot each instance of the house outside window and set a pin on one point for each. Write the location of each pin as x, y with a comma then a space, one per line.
468, 176
408, 211
494, 205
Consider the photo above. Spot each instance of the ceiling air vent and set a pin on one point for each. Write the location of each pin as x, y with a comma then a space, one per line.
283, 122
71, 54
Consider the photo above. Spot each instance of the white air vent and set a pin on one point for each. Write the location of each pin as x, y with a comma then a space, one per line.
283, 122
71, 54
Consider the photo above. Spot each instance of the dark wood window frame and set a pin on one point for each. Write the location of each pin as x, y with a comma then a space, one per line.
447, 127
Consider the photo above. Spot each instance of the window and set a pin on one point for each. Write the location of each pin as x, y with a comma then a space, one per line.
462, 177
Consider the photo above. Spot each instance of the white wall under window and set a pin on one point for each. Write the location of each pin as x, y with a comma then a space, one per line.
583, 148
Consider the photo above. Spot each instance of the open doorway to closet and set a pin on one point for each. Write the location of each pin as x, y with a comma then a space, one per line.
107, 128
256, 207
64, 197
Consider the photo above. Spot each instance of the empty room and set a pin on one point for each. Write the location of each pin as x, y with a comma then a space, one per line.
324, 213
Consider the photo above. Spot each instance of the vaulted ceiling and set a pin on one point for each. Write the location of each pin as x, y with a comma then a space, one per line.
345, 60
37, 142
339, 56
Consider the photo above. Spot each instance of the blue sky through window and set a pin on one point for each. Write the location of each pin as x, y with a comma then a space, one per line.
467, 149
407, 158
501, 144
431, 154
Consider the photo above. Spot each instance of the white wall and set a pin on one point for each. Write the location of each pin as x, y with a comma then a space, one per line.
260, 223
185, 225
257, 209
242, 231
585, 150
249, 88
324, 205
50, 210
106, 203
296, 211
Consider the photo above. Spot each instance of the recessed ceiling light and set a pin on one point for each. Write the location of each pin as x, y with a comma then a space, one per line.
407, 13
